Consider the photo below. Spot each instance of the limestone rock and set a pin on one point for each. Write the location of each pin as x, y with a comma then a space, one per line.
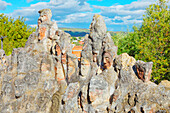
2, 59
124, 61
45, 77
98, 27
165, 83
32, 39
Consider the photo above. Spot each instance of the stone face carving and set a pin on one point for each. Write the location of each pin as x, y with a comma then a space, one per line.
56, 101
46, 28
109, 51
107, 60
98, 52
144, 70
45, 16
45, 76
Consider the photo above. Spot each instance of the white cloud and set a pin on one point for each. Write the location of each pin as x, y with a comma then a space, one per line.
135, 8
4, 5
77, 13
33, 25
118, 20
60, 9
77, 18
125, 14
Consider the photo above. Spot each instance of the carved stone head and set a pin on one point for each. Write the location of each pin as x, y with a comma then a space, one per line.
45, 15
107, 60
144, 70
109, 51
141, 72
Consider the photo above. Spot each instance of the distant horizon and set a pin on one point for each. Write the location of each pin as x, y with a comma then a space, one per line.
81, 28
118, 15
87, 29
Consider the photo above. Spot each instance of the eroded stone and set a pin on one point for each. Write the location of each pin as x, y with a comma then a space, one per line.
45, 76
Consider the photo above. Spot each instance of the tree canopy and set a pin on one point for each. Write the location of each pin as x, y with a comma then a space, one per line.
16, 32
154, 39
151, 41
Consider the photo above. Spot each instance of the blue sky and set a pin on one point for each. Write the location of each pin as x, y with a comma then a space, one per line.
119, 15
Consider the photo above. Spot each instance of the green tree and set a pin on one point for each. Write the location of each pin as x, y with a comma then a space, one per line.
150, 42
153, 44
16, 30
127, 43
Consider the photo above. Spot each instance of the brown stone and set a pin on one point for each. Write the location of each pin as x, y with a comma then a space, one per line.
42, 32
141, 73
85, 67
144, 70
63, 58
71, 68
58, 50
107, 60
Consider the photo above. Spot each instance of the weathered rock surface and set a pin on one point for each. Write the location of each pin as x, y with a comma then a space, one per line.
45, 76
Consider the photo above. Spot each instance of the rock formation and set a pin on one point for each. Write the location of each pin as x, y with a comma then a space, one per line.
45, 77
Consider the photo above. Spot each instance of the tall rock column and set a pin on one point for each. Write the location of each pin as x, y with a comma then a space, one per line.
97, 69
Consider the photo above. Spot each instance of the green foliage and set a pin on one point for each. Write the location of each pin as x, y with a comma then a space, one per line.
126, 43
154, 39
151, 41
16, 30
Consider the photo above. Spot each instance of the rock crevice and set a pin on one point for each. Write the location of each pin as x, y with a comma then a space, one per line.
46, 77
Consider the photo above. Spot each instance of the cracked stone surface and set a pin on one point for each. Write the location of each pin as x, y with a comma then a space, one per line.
45, 77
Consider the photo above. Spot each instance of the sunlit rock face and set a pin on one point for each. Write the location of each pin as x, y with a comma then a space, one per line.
45, 77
